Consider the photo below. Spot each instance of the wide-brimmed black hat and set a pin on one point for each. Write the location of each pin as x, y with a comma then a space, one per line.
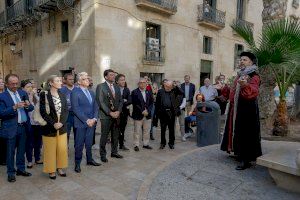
250, 55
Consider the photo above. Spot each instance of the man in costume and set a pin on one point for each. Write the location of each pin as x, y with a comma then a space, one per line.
242, 131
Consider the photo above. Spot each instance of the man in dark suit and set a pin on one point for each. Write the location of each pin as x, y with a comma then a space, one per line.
14, 108
85, 111
125, 92
166, 107
142, 101
189, 90
109, 99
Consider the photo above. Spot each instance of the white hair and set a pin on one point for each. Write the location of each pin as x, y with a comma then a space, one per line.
81, 74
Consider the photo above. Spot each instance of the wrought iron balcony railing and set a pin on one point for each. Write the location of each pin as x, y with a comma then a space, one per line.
2, 19
154, 53
165, 6
243, 22
211, 17
18, 10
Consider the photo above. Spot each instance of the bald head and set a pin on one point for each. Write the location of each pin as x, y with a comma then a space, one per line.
168, 85
206, 82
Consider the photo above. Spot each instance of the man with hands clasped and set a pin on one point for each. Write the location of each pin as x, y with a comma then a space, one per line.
85, 110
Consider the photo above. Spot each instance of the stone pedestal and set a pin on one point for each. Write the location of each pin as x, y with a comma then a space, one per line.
286, 181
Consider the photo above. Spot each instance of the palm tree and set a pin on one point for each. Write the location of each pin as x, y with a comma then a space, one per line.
278, 53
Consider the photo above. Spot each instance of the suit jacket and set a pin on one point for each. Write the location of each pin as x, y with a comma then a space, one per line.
52, 118
82, 108
191, 92
103, 94
126, 96
139, 105
159, 106
9, 117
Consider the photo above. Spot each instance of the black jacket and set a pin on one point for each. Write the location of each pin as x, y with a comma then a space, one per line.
139, 105
51, 118
126, 96
160, 110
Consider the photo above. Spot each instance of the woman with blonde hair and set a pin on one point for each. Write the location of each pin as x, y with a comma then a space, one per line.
54, 110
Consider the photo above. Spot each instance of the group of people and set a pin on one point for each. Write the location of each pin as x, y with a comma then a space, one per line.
32, 118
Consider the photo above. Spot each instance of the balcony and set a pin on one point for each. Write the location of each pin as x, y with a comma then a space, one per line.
48, 6
168, 7
210, 17
153, 54
244, 23
18, 12
2, 20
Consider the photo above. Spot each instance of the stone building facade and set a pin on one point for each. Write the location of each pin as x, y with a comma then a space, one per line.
159, 38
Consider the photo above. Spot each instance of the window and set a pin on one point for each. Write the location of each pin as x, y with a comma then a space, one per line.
238, 49
212, 3
9, 3
240, 9
206, 67
64, 31
153, 42
154, 77
207, 45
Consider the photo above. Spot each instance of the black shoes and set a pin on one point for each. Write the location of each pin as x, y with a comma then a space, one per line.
61, 173
136, 148
116, 155
11, 178
104, 159
147, 147
77, 168
162, 146
243, 166
53, 177
124, 148
93, 163
23, 173
171, 146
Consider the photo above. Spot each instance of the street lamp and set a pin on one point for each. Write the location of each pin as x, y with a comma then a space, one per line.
12, 46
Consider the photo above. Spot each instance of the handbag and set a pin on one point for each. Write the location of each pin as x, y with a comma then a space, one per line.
37, 117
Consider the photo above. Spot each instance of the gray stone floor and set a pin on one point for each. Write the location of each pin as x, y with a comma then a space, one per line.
115, 180
204, 174
209, 174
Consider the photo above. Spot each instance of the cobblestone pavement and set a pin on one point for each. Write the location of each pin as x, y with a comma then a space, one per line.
208, 173
115, 180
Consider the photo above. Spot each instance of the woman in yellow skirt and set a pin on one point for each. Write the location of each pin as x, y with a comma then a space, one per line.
54, 110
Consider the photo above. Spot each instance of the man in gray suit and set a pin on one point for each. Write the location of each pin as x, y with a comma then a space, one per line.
109, 99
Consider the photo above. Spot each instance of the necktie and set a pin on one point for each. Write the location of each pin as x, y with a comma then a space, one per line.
111, 87
21, 111
88, 95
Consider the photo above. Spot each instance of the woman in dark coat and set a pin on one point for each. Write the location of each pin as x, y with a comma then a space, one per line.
54, 110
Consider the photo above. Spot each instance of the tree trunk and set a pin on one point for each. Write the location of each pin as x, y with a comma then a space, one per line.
266, 101
274, 10
281, 122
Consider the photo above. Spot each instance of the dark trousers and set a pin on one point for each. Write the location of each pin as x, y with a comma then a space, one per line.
33, 143
94, 136
17, 142
3, 150
167, 120
187, 123
109, 126
70, 125
123, 124
84, 137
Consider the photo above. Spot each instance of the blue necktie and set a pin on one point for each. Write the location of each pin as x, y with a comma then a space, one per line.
88, 95
21, 110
